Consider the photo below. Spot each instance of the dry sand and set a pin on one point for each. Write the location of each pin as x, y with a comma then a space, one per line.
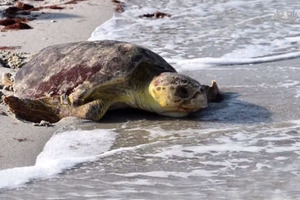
74, 23
21, 142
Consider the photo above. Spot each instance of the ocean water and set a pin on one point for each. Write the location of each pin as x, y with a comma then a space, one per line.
245, 147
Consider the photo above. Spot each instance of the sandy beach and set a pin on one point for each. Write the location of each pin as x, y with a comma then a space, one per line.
21, 142
246, 146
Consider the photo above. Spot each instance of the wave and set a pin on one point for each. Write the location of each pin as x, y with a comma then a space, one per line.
63, 151
199, 63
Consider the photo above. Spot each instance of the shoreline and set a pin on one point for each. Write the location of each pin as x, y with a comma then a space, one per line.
20, 141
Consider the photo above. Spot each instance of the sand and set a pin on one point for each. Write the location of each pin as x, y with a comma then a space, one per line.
20, 141
74, 23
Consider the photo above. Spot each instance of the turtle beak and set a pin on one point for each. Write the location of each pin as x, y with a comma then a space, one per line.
196, 102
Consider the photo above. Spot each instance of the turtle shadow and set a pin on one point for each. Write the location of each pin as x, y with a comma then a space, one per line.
233, 110
130, 114
229, 110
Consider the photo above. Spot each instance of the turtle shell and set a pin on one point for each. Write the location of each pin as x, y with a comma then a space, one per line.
73, 67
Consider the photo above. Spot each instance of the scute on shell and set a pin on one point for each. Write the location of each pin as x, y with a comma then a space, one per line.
74, 67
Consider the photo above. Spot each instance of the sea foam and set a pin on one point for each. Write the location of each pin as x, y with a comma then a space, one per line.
63, 151
189, 41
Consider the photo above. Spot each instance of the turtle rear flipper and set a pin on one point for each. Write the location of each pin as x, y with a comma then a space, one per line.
34, 110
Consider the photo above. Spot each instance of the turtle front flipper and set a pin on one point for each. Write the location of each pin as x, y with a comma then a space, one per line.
35, 110
93, 110
212, 92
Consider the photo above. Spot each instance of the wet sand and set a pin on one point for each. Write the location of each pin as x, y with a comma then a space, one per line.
21, 142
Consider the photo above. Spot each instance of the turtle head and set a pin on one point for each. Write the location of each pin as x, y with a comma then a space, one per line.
177, 95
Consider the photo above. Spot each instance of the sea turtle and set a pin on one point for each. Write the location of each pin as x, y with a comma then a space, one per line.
85, 79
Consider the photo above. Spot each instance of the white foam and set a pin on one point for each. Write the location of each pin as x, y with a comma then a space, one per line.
195, 151
222, 147
289, 83
190, 42
166, 174
201, 63
249, 54
297, 94
64, 150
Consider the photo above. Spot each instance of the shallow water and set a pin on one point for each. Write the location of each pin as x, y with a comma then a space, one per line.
245, 147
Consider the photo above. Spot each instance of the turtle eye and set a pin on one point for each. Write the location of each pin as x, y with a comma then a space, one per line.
182, 92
